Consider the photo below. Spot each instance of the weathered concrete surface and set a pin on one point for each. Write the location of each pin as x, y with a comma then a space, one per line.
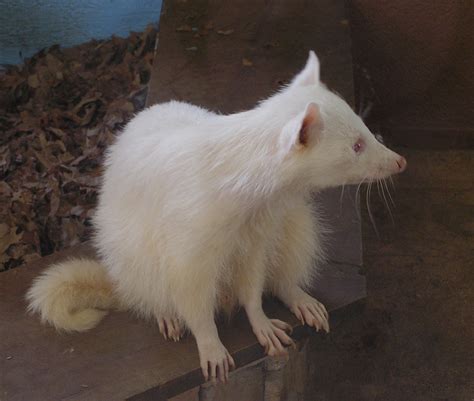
226, 57
409, 45
414, 340
268, 379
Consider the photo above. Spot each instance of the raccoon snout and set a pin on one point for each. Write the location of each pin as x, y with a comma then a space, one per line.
402, 164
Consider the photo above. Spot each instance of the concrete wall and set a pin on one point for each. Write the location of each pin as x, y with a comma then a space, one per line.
408, 45
269, 379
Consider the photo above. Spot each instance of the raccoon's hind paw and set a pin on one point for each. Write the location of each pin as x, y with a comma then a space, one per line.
311, 312
171, 328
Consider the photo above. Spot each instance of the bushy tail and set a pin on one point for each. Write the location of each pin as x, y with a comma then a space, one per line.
72, 295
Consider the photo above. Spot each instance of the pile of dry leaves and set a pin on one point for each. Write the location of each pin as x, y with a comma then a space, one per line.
58, 112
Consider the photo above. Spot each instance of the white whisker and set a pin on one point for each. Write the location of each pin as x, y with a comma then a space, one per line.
357, 197
341, 197
387, 204
367, 201
378, 187
391, 181
389, 194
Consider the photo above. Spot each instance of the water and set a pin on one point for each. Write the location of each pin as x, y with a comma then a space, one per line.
27, 26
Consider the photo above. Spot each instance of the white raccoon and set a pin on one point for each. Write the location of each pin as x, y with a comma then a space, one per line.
196, 207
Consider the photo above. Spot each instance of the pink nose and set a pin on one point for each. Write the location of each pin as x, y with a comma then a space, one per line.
402, 164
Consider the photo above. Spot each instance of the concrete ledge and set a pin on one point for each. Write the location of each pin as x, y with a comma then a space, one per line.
124, 357
262, 43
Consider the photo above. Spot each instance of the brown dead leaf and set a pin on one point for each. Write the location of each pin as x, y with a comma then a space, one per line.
54, 65
8, 237
44, 159
54, 203
45, 76
72, 229
184, 28
246, 62
90, 113
25, 252
5, 159
62, 111
84, 102
225, 32
60, 134
5, 190
27, 121
77, 210
4, 230
33, 81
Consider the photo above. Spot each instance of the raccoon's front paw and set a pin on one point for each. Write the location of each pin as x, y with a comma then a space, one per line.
216, 361
310, 311
272, 335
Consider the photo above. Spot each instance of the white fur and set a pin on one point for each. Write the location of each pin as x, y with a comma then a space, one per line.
198, 208
73, 295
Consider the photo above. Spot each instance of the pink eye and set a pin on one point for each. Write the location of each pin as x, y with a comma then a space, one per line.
358, 146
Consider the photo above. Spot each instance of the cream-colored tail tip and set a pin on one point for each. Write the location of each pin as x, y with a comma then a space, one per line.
72, 295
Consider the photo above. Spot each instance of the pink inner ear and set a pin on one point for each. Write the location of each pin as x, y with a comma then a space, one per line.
311, 117
304, 133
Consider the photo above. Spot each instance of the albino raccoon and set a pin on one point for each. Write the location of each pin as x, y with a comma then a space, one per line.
196, 207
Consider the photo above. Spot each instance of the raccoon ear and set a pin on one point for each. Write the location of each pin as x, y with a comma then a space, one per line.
304, 130
310, 73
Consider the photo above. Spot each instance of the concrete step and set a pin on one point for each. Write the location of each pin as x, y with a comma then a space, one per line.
224, 56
